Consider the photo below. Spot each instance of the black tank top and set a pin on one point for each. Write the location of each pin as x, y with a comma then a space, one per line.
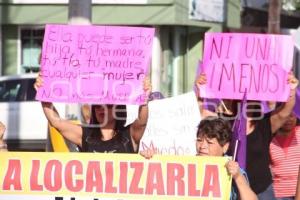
120, 143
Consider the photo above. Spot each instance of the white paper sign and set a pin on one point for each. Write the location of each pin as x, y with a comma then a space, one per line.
172, 125
132, 112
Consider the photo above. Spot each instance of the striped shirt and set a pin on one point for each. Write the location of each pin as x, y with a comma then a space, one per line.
285, 161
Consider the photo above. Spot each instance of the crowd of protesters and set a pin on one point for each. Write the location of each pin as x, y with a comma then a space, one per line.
273, 140
260, 132
273, 148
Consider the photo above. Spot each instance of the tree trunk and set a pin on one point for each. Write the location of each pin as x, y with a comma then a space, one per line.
79, 14
79, 11
274, 16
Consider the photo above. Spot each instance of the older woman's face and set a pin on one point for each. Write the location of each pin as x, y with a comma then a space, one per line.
290, 123
209, 147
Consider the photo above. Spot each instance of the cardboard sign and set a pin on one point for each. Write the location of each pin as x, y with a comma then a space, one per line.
172, 125
259, 63
95, 64
112, 176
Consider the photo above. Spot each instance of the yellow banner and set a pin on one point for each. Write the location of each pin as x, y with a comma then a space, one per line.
115, 176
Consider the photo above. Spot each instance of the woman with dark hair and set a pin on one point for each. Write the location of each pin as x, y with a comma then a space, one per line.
285, 159
213, 139
106, 131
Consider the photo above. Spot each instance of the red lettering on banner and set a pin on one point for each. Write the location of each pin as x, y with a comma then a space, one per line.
53, 175
211, 181
192, 180
73, 167
34, 185
94, 177
13, 176
137, 174
175, 173
123, 177
109, 172
155, 179
179, 179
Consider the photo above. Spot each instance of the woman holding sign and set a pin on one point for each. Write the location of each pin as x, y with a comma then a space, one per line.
213, 138
106, 132
259, 135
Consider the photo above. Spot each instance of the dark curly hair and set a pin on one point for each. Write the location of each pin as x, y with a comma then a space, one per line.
215, 127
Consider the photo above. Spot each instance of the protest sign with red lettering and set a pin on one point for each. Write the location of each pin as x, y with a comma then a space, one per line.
112, 176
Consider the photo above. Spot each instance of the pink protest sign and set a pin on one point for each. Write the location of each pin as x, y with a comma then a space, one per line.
259, 63
95, 64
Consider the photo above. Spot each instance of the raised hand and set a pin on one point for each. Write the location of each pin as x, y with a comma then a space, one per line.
147, 87
233, 169
148, 153
2, 130
201, 80
38, 82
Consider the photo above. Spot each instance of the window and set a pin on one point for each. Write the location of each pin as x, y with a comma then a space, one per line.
10, 91
31, 92
31, 45
17, 90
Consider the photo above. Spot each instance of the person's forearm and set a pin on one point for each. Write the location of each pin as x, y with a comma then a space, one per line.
244, 189
281, 114
286, 109
139, 125
50, 113
143, 115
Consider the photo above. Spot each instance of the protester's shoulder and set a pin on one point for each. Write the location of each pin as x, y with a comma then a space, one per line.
86, 131
263, 121
125, 132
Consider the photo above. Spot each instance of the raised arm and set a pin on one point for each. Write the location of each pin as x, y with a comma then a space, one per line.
67, 129
201, 80
280, 115
245, 192
138, 127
